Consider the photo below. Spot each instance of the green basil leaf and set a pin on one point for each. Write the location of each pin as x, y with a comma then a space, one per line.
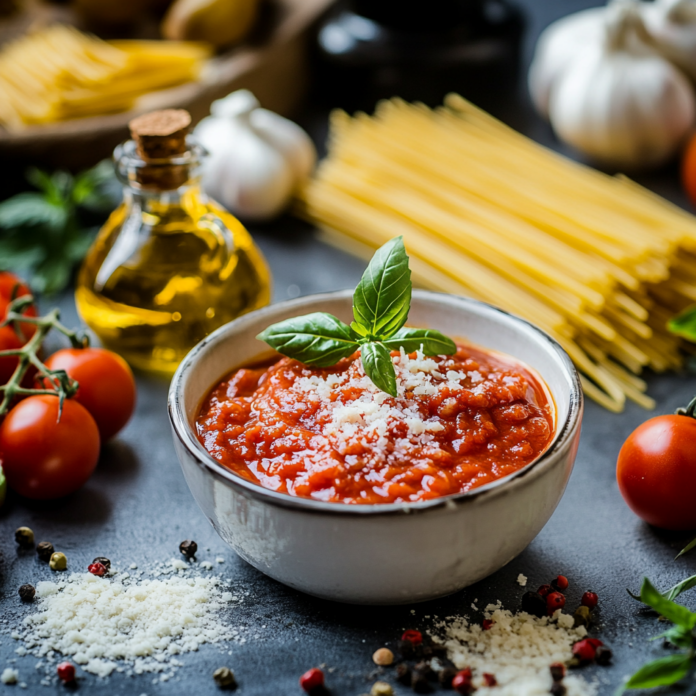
383, 297
680, 587
670, 610
30, 209
431, 341
691, 545
684, 324
679, 636
317, 339
378, 366
662, 672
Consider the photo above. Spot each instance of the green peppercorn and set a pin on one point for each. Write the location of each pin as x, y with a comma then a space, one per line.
581, 616
58, 561
104, 561
45, 550
24, 537
224, 678
381, 688
27, 592
188, 548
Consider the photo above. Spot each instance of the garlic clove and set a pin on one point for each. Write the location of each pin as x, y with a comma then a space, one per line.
672, 26
239, 103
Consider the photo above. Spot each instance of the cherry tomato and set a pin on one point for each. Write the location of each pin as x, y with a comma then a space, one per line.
8, 363
107, 386
42, 457
8, 282
656, 472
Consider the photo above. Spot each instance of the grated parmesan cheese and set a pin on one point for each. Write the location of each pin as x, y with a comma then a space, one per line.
518, 649
9, 676
522, 580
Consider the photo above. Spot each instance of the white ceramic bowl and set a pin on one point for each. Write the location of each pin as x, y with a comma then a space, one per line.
379, 554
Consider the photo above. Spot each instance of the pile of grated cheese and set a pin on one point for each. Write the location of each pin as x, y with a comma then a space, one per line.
518, 649
103, 622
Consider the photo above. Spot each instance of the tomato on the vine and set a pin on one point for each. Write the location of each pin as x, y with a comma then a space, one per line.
43, 457
9, 284
107, 386
8, 363
656, 471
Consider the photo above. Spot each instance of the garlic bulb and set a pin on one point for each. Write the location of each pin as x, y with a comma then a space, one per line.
257, 159
557, 46
672, 26
619, 101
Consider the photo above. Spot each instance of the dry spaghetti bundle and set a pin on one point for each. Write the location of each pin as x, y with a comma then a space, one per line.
598, 262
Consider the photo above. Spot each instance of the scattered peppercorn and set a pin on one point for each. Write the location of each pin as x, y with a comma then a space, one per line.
412, 636
58, 561
533, 603
438, 650
490, 679
403, 673
24, 537
406, 649
27, 592
558, 689
487, 624
381, 688
603, 656
188, 548
560, 584
66, 672
104, 561
312, 679
462, 682
425, 668
589, 600
581, 616
224, 678
44, 550
554, 601
446, 675
544, 590
558, 671
383, 657
419, 682
97, 569
584, 650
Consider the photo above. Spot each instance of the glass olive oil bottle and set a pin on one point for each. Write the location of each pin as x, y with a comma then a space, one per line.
170, 265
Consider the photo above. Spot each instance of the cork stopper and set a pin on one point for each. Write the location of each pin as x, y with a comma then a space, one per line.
161, 135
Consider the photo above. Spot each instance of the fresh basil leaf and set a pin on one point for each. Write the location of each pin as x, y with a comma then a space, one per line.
383, 297
670, 610
430, 341
684, 324
680, 636
378, 366
680, 587
691, 545
317, 339
29, 209
661, 672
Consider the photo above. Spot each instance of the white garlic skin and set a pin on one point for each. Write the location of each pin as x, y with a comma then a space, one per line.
557, 46
620, 102
257, 159
672, 26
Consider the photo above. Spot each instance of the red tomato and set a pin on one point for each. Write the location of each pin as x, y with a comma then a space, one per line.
44, 458
656, 472
8, 364
8, 281
107, 387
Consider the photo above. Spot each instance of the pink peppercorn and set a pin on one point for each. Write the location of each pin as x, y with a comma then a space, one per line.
554, 601
544, 590
590, 600
585, 650
490, 679
413, 636
312, 679
97, 569
561, 583
462, 682
66, 672
487, 624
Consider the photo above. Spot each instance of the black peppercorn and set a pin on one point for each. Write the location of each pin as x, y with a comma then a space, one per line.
104, 561
533, 603
26, 593
24, 537
581, 617
224, 678
603, 655
419, 682
44, 550
403, 673
405, 647
557, 689
438, 650
188, 548
557, 671
446, 676
425, 668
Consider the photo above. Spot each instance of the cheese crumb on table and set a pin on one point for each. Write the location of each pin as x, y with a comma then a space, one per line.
522, 580
9, 676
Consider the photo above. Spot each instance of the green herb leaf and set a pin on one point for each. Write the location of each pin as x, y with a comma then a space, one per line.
679, 636
684, 324
431, 342
383, 297
691, 545
317, 339
378, 366
670, 610
30, 209
680, 587
661, 672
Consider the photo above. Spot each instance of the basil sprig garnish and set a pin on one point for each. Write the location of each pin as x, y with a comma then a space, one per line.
381, 303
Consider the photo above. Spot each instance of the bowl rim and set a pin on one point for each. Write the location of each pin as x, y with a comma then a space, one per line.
184, 432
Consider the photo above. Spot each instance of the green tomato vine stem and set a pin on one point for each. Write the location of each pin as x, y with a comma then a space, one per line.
690, 410
63, 386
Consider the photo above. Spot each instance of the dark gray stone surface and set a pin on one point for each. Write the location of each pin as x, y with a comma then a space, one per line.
136, 508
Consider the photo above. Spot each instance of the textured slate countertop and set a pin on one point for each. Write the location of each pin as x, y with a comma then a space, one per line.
137, 508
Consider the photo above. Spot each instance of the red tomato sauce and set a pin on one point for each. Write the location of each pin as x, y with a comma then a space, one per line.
459, 422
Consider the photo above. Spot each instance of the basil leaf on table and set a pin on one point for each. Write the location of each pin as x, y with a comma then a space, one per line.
677, 635
378, 366
670, 610
430, 341
317, 339
691, 545
684, 324
382, 300
661, 672
680, 587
